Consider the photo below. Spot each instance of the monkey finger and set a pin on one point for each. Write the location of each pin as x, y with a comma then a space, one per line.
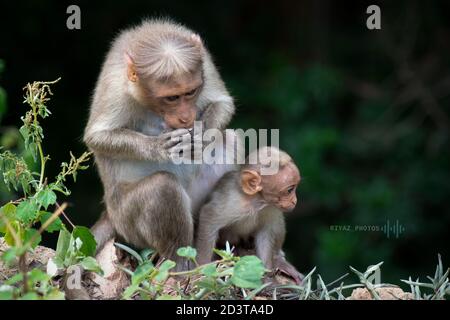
185, 139
176, 133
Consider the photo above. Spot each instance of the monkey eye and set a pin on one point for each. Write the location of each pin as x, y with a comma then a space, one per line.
192, 92
290, 189
172, 98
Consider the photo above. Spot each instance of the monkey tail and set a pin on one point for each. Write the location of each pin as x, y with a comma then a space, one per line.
103, 230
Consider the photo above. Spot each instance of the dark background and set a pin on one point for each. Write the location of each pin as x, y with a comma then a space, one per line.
365, 114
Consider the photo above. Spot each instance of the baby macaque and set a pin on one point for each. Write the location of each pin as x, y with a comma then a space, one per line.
247, 205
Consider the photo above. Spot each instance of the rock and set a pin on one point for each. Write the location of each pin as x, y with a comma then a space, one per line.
385, 293
113, 282
38, 258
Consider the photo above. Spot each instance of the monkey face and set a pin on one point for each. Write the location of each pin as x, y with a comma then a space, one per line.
279, 189
175, 99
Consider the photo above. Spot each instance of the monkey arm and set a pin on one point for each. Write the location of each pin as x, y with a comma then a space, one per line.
128, 144
219, 107
218, 115
207, 233
269, 240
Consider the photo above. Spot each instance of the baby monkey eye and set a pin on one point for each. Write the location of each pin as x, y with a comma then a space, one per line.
291, 188
172, 98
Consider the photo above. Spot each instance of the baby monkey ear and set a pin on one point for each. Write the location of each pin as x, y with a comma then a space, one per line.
131, 68
251, 182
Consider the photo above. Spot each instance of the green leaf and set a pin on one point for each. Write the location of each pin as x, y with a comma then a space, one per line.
9, 238
56, 225
37, 275
210, 270
141, 272
223, 254
90, 264
8, 211
207, 283
14, 279
130, 251
25, 133
27, 211
130, 291
62, 246
30, 296
30, 233
46, 197
146, 253
10, 255
6, 292
163, 271
187, 252
89, 244
248, 272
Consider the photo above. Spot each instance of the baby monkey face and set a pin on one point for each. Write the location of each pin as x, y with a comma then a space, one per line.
279, 189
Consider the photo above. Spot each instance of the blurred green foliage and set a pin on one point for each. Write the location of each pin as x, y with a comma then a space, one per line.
363, 113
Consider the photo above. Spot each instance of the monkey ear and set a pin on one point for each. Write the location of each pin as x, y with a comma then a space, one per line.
195, 38
131, 69
250, 182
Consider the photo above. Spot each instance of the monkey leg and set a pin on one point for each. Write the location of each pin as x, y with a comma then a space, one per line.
155, 212
103, 231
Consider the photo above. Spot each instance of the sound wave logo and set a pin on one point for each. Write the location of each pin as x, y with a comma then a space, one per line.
395, 229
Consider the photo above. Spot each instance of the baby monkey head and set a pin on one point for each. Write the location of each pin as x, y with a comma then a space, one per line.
277, 189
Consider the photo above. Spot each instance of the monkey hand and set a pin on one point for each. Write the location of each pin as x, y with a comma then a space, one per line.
172, 141
181, 145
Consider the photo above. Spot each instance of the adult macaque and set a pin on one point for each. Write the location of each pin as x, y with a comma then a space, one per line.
247, 206
156, 80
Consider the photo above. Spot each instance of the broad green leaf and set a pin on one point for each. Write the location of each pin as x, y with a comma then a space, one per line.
6, 293
85, 235
56, 225
62, 246
90, 264
141, 272
9, 238
207, 283
46, 197
209, 270
187, 252
7, 211
10, 255
25, 133
130, 291
27, 211
29, 234
30, 296
248, 272
55, 294
163, 271
167, 265
14, 279
37, 275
